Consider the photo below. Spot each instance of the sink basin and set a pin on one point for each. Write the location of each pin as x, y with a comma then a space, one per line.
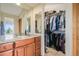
22, 37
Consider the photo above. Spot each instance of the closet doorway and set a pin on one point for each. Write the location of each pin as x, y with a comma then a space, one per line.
54, 34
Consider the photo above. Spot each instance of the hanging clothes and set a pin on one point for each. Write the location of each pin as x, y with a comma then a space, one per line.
62, 42
62, 22
47, 31
54, 31
52, 23
45, 22
57, 22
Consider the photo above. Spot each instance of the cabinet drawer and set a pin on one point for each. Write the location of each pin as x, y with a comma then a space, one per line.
7, 46
7, 53
38, 52
30, 50
38, 45
24, 42
19, 51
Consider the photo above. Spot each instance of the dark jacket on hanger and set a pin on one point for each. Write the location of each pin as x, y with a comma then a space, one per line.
57, 22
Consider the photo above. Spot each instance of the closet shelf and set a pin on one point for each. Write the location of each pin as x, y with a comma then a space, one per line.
58, 32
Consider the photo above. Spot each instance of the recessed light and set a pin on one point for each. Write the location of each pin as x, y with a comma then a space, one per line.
18, 3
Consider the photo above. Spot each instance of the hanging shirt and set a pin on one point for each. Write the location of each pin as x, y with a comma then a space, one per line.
52, 23
62, 18
45, 22
57, 22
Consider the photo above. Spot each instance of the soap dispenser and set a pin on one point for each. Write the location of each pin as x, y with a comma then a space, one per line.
25, 32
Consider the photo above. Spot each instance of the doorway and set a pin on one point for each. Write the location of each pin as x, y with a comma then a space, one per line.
54, 33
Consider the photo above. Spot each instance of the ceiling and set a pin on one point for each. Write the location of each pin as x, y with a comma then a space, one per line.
13, 9
28, 6
10, 9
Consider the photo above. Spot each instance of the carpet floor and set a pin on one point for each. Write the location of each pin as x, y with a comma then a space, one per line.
53, 52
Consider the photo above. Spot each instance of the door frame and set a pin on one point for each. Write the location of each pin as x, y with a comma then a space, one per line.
74, 29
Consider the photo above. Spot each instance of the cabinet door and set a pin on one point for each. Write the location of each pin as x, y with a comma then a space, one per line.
7, 53
38, 46
19, 51
38, 52
30, 50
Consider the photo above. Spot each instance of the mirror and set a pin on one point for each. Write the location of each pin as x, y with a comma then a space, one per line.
9, 26
19, 26
27, 24
0, 25
38, 22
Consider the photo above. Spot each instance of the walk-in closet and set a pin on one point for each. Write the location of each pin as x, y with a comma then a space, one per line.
54, 25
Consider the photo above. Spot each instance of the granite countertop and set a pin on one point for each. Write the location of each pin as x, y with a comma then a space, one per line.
3, 39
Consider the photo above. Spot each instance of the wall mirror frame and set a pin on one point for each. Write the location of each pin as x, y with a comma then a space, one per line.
28, 25
38, 23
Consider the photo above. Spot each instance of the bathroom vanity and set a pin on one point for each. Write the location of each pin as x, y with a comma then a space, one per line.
21, 46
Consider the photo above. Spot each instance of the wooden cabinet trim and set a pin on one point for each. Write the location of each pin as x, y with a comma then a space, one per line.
24, 42
32, 44
6, 47
7, 53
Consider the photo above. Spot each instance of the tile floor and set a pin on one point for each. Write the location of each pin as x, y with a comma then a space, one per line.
53, 52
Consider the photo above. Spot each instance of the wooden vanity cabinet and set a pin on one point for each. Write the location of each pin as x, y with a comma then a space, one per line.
38, 46
19, 51
25, 47
6, 49
7, 53
30, 50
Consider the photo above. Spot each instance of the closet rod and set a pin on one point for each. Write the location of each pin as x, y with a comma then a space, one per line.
54, 13
59, 13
